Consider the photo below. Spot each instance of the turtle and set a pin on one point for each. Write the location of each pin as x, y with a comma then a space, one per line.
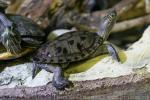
72, 47
19, 35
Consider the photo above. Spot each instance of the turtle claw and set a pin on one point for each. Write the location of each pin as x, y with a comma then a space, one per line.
35, 70
61, 84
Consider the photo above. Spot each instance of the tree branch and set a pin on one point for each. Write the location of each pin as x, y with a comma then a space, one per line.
125, 25
121, 8
36, 10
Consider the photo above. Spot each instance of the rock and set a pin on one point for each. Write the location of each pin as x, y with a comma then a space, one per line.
94, 76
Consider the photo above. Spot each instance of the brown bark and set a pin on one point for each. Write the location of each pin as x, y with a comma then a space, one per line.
36, 10
137, 22
121, 8
29, 8
120, 26
13, 6
115, 88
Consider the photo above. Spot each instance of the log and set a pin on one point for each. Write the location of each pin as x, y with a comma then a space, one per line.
34, 9
29, 8
119, 26
110, 88
132, 23
121, 8
131, 8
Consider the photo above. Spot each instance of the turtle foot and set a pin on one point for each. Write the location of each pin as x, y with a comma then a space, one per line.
61, 84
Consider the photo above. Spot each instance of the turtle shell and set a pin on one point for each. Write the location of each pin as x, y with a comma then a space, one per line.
4, 55
30, 32
69, 47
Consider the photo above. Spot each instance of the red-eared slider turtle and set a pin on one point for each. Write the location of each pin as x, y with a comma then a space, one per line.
17, 32
74, 46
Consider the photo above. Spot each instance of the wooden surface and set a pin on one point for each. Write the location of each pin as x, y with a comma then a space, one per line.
113, 88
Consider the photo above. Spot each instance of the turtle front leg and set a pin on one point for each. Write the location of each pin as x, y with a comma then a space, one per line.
59, 82
112, 51
107, 48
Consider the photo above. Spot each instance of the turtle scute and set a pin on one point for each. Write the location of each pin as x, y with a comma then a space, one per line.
69, 47
30, 32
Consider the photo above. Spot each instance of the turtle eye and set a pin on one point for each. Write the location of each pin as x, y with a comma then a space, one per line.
113, 15
109, 17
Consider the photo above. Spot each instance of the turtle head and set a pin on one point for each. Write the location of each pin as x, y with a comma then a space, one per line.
107, 24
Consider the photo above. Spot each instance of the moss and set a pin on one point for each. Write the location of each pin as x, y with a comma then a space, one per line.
87, 64
83, 65
122, 56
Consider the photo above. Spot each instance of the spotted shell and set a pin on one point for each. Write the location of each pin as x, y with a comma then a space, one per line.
69, 47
